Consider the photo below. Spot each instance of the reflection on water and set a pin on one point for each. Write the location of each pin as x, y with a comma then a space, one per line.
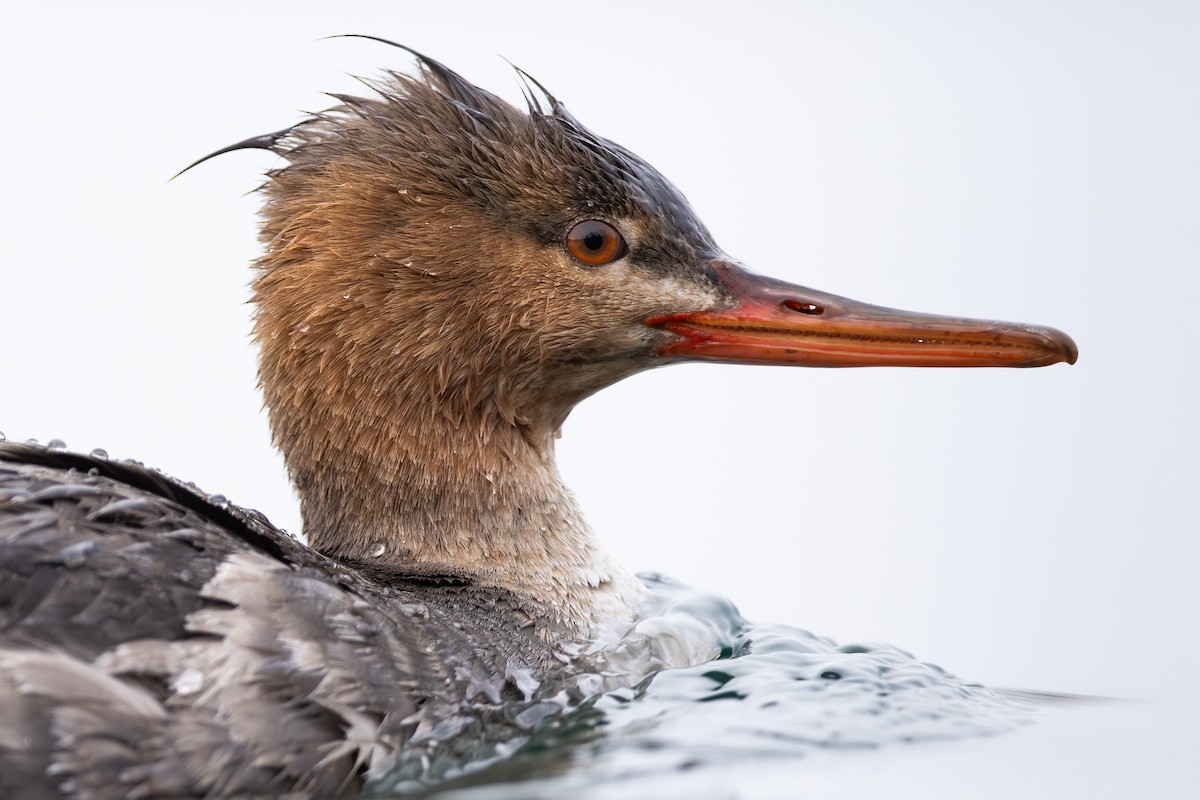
691, 687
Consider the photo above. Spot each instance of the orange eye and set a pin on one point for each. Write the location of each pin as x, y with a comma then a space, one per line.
595, 243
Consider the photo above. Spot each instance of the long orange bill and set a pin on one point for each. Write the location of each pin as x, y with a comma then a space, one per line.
778, 323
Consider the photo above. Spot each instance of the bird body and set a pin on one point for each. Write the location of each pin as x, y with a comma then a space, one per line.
159, 642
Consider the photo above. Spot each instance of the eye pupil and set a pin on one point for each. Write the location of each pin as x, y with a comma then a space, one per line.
595, 243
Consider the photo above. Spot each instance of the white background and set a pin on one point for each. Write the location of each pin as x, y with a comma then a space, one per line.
1030, 161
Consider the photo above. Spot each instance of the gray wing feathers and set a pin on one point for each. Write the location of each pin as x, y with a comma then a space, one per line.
145, 652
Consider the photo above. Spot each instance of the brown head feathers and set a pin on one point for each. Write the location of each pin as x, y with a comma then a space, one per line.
424, 330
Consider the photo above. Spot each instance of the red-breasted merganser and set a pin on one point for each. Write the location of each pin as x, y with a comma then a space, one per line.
445, 277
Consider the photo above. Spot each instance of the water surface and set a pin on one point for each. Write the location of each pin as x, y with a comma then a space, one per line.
720, 693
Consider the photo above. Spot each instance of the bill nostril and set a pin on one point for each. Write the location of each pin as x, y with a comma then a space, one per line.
803, 307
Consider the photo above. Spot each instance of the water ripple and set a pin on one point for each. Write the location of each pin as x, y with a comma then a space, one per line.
693, 686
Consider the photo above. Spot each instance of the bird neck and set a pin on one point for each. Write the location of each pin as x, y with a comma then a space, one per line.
415, 489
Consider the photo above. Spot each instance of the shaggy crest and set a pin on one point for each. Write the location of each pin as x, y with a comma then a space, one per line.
507, 162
